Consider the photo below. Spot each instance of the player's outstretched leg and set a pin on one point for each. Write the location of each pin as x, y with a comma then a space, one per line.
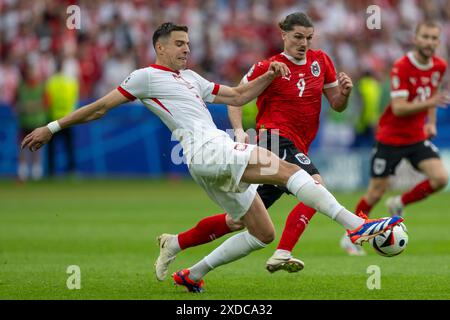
206, 230
266, 167
377, 188
295, 225
260, 233
372, 228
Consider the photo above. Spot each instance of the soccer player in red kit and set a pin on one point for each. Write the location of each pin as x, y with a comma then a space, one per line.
290, 108
408, 122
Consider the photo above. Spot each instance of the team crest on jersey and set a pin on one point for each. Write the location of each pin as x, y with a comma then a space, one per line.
240, 146
315, 69
379, 165
302, 158
435, 78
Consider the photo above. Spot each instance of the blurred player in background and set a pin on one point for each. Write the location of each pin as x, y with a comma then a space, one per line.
408, 122
31, 112
289, 107
228, 171
61, 92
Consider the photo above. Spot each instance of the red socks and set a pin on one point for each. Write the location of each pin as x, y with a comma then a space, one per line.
419, 192
214, 227
296, 223
206, 230
363, 206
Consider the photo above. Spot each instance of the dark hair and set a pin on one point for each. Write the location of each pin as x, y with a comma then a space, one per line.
427, 23
165, 29
296, 19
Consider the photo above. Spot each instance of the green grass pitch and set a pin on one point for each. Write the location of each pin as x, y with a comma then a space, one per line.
108, 229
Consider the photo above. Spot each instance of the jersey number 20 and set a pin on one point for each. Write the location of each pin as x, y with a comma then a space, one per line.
423, 93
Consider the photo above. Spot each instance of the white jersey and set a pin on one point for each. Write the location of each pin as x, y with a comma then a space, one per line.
177, 98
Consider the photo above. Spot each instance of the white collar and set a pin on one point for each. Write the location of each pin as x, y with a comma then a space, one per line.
293, 60
417, 64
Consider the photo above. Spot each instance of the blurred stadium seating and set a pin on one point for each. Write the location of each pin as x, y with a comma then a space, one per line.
227, 37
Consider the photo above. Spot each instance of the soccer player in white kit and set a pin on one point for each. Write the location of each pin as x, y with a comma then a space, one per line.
226, 170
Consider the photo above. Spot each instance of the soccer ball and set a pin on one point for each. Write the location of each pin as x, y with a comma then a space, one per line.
391, 242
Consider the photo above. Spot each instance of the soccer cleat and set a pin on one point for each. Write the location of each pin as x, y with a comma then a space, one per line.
181, 278
371, 228
351, 249
166, 256
395, 206
284, 262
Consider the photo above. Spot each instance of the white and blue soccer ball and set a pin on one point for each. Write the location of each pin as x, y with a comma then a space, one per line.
391, 242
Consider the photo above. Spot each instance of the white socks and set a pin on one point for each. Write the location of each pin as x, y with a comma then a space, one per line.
22, 171
314, 195
36, 171
348, 220
234, 248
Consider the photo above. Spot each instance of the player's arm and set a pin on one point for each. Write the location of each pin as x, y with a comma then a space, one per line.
338, 95
401, 107
92, 111
244, 93
235, 116
430, 127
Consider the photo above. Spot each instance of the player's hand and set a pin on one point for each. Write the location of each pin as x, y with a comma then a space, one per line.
430, 130
36, 139
345, 83
277, 68
440, 99
241, 136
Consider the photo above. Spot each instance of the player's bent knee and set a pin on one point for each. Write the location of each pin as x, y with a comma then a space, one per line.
234, 225
267, 238
440, 181
287, 169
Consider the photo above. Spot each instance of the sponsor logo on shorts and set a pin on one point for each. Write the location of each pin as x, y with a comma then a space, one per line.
431, 145
379, 166
303, 158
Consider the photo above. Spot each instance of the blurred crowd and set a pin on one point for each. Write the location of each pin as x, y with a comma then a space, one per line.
227, 37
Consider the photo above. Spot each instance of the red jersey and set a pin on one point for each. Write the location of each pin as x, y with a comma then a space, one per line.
416, 82
292, 104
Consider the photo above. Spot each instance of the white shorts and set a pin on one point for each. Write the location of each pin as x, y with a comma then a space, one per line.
218, 168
